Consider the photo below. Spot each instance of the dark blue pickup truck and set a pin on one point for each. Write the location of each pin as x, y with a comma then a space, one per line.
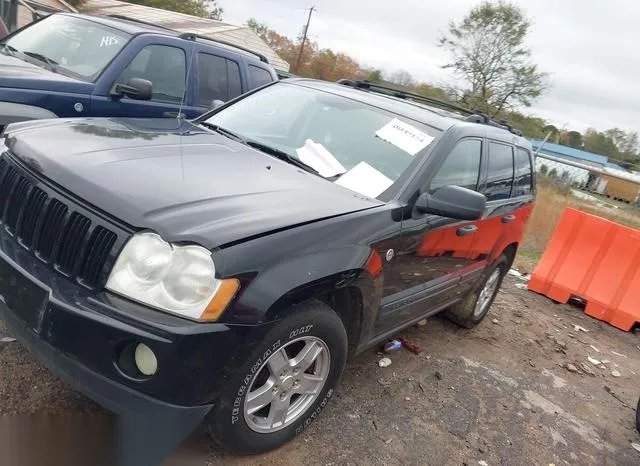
71, 65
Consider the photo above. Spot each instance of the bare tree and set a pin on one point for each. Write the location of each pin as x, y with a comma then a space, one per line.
488, 54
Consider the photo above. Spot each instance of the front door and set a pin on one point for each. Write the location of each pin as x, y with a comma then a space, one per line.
433, 252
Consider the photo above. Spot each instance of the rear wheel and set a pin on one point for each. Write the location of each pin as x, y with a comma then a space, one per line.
475, 307
285, 384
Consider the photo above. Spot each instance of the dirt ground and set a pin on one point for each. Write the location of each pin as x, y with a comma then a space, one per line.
499, 394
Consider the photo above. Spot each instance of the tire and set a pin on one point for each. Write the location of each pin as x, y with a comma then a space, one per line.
464, 313
239, 425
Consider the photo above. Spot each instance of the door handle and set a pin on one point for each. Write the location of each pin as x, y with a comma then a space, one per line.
508, 218
174, 115
467, 230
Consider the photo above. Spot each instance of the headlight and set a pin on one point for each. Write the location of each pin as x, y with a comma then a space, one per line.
177, 279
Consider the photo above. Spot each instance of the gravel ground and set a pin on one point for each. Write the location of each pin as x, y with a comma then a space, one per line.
501, 393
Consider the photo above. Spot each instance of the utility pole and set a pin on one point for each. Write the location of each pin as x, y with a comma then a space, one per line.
304, 38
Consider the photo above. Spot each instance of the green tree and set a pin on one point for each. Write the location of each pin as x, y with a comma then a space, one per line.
375, 76
215, 11
435, 92
488, 53
402, 78
600, 143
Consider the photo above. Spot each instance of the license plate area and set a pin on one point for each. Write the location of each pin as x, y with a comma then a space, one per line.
23, 297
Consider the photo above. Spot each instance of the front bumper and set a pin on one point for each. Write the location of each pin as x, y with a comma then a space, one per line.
80, 335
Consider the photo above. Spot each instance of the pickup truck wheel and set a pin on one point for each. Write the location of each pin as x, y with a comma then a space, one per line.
475, 307
285, 384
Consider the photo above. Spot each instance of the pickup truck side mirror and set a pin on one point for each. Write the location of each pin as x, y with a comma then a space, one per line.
453, 202
136, 88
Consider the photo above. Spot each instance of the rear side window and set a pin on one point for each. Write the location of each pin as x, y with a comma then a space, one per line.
259, 76
218, 79
164, 66
500, 173
523, 174
461, 167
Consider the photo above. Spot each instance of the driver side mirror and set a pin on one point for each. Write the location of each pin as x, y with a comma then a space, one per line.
136, 88
453, 202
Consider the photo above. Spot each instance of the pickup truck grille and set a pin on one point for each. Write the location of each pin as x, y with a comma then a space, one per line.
58, 231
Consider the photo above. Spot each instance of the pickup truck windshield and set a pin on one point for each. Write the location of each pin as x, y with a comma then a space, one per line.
67, 45
331, 133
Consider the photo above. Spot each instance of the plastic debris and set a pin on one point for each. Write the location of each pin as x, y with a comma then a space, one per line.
587, 369
521, 286
7, 340
515, 273
384, 362
618, 354
578, 328
393, 345
595, 349
422, 323
594, 361
482, 463
415, 349
635, 446
615, 373
495, 321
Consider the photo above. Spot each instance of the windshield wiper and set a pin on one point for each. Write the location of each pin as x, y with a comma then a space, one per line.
280, 154
9, 50
52, 64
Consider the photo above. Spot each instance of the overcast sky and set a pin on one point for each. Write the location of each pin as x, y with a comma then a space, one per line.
590, 47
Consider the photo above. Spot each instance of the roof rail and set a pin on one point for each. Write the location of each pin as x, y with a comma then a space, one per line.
136, 20
473, 116
193, 36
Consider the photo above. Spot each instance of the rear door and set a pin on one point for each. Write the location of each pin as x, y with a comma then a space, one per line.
218, 78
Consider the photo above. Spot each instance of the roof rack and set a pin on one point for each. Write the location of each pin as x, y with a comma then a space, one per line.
136, 20
193, 36
473, 116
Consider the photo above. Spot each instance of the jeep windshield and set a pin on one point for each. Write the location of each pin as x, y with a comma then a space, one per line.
67, 45
356, 145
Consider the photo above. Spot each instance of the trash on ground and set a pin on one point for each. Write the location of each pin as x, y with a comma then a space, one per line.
615, 373
521, 286
579, 328
618, 354
635, 446
605, 361
594, 361
384, 362
7, 340
570, 367
495, 321
415, 349
587, 369
482, 463
422, 323
515, 273
393, 345
595, 349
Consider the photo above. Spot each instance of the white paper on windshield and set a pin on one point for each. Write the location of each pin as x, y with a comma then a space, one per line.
317, 156
404, 136
365, 179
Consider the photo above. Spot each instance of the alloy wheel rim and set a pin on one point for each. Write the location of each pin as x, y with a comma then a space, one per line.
487, 293
287, 384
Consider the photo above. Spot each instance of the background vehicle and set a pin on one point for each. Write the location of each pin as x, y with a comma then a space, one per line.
71, 65
228, 266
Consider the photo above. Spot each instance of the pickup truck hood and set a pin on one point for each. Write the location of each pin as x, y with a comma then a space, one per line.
16, 73
176, 178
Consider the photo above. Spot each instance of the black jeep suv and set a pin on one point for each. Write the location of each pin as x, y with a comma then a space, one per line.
226, 267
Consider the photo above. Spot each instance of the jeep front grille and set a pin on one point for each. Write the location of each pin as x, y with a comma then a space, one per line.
58, 231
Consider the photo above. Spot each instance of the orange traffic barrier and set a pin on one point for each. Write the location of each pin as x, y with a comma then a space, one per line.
594, 259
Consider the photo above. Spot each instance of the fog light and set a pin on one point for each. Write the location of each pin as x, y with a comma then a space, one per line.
145, 359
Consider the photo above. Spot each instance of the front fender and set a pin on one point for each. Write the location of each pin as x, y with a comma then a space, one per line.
302, 277
11, 112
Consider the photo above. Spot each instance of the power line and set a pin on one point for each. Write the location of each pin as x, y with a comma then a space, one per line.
304, 38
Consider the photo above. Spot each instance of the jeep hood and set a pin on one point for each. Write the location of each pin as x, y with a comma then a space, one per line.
180, 180
18, 74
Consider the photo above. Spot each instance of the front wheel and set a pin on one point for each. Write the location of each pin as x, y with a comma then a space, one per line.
285, 384
475, 307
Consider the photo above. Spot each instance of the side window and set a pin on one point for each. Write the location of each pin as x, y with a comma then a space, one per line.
461, 167
523, 177
500, 176
164, 66
218, 79
259, 76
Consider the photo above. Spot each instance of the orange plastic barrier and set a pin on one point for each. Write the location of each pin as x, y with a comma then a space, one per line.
594, 259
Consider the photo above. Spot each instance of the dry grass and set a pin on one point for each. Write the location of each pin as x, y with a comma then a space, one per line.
550, 203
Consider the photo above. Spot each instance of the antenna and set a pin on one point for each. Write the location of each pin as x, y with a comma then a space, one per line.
535, 154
